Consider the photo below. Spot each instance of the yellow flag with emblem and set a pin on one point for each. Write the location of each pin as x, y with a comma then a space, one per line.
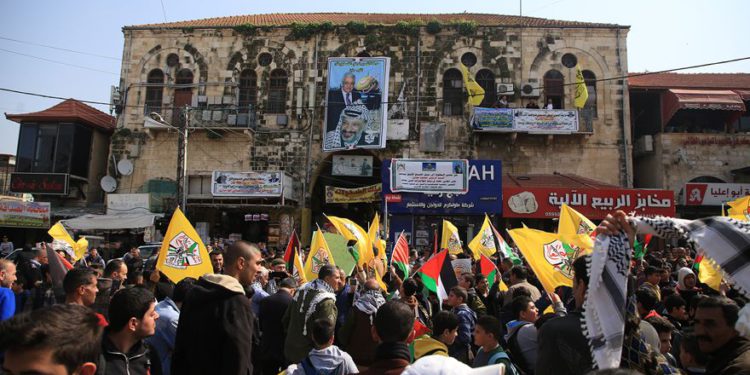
319, 256
450, 239
709, 274
739, 208
351, 231
573, 222
182, 252
582, 92
379, 280
551, 255
484, 242
58, 232
476, 92
374, 234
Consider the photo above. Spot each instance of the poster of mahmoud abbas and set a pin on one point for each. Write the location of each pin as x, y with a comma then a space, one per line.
356, 109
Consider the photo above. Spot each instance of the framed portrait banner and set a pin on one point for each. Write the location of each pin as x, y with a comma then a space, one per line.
351, 165
356, 95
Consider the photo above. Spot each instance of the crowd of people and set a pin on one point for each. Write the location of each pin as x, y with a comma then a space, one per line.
251, 316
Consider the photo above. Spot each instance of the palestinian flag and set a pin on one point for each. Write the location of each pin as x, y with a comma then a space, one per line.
490, 272
400, 257
503, 248
642, 248
438, 274
293, 259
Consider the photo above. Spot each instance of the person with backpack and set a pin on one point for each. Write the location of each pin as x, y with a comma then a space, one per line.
522, 332
486, 336
325, 358
444, 333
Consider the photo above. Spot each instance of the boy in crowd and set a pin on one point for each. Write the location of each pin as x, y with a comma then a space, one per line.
444, 332
467, 318
486, 335
324, 358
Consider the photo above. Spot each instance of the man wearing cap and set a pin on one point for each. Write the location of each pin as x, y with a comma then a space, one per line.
6, 247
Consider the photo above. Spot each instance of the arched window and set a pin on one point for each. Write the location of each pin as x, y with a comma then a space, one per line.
277, 91
554, 89
154, 91
248, 91
453, 93
183, 94
486, 80
590, 78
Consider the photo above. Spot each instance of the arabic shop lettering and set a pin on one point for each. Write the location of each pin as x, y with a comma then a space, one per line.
623, 201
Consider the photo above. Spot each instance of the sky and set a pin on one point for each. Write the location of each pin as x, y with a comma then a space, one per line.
664, 34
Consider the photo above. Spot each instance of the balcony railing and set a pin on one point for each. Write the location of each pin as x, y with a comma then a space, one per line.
214, 118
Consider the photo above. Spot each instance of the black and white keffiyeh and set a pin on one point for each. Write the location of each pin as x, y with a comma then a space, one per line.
604, 312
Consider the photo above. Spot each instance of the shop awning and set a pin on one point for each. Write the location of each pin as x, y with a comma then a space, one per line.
719, 100
111, 222
541, 195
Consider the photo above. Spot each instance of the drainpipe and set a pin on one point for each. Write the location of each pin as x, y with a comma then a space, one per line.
626, 165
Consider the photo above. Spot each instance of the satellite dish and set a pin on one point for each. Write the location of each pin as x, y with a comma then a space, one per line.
125, 167
108, 184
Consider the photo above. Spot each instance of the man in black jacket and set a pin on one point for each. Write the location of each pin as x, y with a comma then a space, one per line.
215, 331
272, 309
714, 328
562, 347
339, 98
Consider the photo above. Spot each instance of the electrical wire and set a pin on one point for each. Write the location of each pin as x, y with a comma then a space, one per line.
57, 62
422, 98
60, 49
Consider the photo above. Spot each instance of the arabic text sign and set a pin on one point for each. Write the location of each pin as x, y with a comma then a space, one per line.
427, 176
493, 119
545, 121
363, 194
713, 194
24, 214
246, 184
128, 203
592, 203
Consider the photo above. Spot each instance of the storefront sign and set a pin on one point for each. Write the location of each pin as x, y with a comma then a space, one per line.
493, 119
24, 214
39, 183
356, 114
592, 203
363, 194
246, 184
713, 194
351, 165
484, 194
545, 121
429, 176
128, 204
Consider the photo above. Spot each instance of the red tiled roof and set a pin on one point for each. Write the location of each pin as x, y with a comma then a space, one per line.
690, 81
286, 19
556, 180
69, 110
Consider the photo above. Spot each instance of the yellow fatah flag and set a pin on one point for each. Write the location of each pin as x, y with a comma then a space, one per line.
740, 208
582, 93
551, 255
319, 256
709, 274
182, 252
351, 231
450, 239
379, 279
484, 241
502, 286
374, 234
476, 92
573, 222
58, 232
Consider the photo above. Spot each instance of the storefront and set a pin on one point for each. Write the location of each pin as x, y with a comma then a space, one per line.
419, 215
706, 199
535, 200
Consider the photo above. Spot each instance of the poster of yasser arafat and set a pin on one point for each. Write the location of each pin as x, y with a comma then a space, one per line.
356, 104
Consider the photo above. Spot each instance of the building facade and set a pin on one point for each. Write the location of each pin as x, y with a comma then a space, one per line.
251, 91
692, 136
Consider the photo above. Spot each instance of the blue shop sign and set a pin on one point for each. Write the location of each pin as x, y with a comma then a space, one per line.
484, 195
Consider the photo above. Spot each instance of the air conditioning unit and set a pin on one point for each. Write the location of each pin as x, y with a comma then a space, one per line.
529, 90
505, 88
644, 145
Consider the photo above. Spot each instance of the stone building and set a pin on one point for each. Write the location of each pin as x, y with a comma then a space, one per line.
254, 90
692, 135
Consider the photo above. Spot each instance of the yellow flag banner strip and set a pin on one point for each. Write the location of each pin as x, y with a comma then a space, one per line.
183, 253
451, 239
582, 92
484, 242
365, 194
476, 92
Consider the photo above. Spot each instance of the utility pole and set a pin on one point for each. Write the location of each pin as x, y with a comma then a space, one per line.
182, 142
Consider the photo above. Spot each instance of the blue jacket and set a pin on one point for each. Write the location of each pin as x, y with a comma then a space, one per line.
166, 331
467, 319
7, 303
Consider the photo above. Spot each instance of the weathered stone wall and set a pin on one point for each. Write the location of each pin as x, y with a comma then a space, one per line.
514, 55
